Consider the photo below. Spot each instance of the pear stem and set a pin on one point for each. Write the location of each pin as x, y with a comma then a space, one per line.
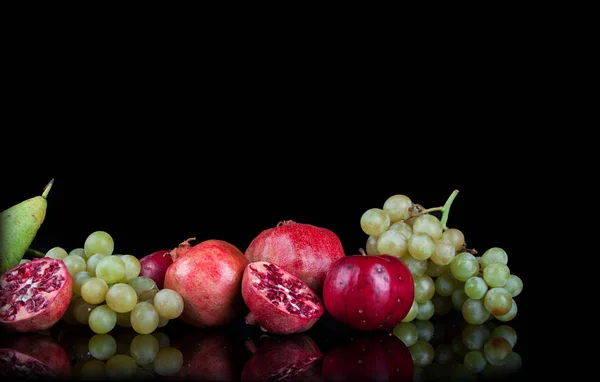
47, 189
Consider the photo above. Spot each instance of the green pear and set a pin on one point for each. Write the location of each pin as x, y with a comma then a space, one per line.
18, 226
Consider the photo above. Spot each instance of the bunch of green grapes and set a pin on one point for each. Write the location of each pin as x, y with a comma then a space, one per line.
440, 351
446, 274
108, 289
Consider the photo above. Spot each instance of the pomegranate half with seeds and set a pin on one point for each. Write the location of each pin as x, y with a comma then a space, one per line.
34, 295
279, 302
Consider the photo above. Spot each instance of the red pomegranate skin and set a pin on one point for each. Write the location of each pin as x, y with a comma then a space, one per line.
304, 250
56, 303
155, 266
208, 276
291, 356
37, 356
369, 293
376, 357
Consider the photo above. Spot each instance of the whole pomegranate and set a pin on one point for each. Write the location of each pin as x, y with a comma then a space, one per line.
369, 292
279, 302
290, 357
34, 295
208, 276
33, 356
304, 250
374, 357
155, 266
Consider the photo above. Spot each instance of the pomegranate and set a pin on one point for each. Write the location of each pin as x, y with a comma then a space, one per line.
32, 357
374, 357
369, 293
304, 250
34, 295
290, 357
208, 276
279, 302
155, 266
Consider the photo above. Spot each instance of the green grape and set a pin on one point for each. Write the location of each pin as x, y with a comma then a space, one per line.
475, 288
162, 338
144, 318
459, 297
371, 246
494, 255
514, 285
132, 267
474, 312
421, 246
78, 280
496, 275
455, 237
78, 252
459, 372
82, 310
412, 313
121, 298
464, 266
507, 332
459, 348
428, 224
102, 319
94, 290
403, 228
393, 243
144, 348
475, 361
498, 301
398, 207
426, 310
496, 350
445, 284
168, 361
99, 242
510, 315
168, 304
123, 319
102, 346
120, 367
374, 221
513, 363
424, 288
422, 353
162, 321
75, 264
92, 370
56, 253
443, 253
407, 333
474, 336
435, 270
425, 329
416, 267
443, 354
92, 263
144, 287
111, 269
442, 305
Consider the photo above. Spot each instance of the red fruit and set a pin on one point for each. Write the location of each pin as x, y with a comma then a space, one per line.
291, 357
369, 292
208, 276
155, 266
34, 295
32, 357
279, 302
373, 357
304, 250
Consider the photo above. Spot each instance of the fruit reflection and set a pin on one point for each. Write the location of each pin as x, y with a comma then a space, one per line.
35, 356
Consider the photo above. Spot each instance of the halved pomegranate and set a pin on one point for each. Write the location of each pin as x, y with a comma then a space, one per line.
34, 295
279, 302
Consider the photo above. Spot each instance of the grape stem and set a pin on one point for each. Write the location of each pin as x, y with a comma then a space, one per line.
445, 209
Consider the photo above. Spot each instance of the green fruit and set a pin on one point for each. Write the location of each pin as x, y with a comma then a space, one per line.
19, 225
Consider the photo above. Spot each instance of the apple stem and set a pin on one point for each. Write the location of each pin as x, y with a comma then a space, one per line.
47, 189
362, 252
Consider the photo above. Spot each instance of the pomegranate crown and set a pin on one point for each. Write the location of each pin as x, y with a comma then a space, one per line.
182, 248
285, 222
